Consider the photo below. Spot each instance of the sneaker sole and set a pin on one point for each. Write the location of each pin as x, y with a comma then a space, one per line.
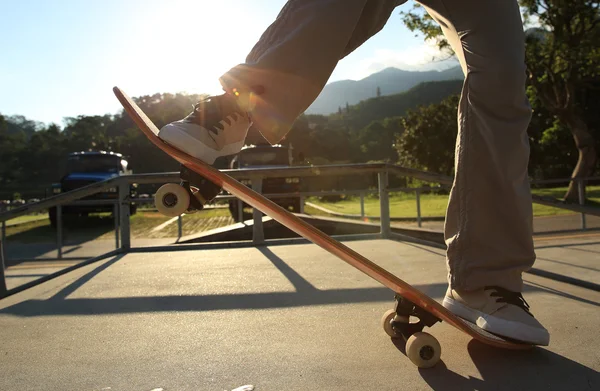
498, 326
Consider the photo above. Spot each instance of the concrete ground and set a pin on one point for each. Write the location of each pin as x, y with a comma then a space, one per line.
283, 318
26, 262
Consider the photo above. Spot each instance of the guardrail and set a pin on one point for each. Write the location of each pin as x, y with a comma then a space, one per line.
122, 203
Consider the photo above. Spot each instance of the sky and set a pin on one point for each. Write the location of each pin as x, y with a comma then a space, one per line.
61, 58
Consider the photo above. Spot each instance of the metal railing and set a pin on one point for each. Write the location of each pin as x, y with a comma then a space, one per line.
121, 204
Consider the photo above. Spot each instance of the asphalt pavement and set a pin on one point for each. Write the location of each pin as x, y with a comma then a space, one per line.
290, 317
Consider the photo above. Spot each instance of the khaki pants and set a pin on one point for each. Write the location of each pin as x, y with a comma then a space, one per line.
488, 226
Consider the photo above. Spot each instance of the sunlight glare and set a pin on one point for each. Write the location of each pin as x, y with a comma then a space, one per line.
190, 43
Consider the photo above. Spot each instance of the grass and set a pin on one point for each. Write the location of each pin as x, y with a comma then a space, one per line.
403, 205
192, 223
28, 218
101, 226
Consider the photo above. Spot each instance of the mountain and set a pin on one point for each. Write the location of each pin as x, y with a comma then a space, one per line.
379, 108
390, 81
356, 117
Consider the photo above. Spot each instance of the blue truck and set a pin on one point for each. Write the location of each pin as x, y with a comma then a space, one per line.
84, 168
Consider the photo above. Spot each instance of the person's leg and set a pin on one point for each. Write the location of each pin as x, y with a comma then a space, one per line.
296, 55
489, 219
488, 227
283, 74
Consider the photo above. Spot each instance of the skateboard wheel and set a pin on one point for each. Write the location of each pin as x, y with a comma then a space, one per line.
171, 200
423, 350
386, 322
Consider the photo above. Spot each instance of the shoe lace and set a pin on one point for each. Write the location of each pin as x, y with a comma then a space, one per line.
202, 111
214, 114
505, 296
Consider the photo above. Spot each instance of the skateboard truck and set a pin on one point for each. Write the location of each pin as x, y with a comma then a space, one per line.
205, 192
401, 322
189, 196
422, 348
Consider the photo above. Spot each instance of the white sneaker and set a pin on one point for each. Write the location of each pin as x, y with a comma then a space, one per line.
498, 311
216, 127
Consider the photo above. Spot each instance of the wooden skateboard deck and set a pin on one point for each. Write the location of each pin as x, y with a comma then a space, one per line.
309, 232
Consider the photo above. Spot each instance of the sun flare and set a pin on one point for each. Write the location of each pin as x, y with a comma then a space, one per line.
190, 43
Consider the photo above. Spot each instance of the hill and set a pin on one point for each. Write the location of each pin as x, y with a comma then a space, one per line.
390, 81
374, 109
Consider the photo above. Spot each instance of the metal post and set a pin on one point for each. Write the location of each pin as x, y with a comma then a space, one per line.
179, 227
124, 212
240, 210
258, 235
116, 217
362, 205
418, 192
581, 191
59, 231
384, 204
3, 288
302, 204
3, 241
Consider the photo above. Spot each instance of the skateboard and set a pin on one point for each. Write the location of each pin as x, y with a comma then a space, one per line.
413, 310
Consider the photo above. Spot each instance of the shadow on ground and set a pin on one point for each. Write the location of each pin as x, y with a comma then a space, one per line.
499, 369
33, 240
535, 369
75, 230
304, 295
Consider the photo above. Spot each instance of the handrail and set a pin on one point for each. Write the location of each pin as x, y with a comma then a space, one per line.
122, 201
297, 171
562, 180
556, 203
304, 171
61, 199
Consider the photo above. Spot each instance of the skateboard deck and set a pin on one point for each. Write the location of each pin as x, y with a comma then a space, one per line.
311, 233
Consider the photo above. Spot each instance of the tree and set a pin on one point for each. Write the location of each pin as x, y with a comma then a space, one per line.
563, 63
377, 140
429, 136
3, 125
43, 157
162, 109
33, 153
18, 124
563, 60
419, 20
374, 142
12, 142
552, 149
